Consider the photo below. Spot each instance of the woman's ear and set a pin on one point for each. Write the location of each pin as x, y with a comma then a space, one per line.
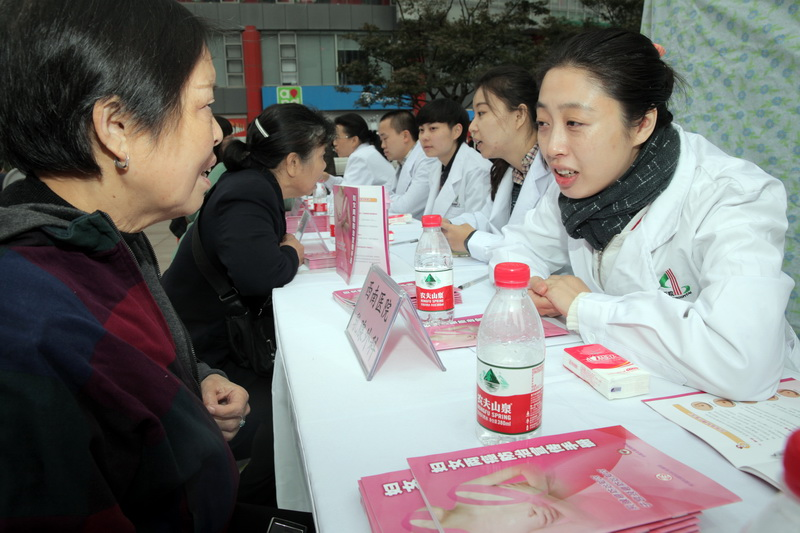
521, 115
292, 163
456, 132
112, 128
645, 128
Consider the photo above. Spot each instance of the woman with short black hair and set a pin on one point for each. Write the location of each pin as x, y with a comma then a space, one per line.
109, 421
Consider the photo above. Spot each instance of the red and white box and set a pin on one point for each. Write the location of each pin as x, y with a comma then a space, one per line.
610, 374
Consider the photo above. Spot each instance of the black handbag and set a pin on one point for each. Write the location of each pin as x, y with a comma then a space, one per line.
251, 335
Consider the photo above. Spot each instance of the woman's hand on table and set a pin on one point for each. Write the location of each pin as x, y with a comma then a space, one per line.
290, 240
227, 403
554, 295
456, 235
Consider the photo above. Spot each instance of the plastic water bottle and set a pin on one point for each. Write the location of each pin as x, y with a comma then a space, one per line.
433, 264
510, 361
320, 199
783, 512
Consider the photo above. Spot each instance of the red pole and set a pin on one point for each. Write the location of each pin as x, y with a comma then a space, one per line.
253, 75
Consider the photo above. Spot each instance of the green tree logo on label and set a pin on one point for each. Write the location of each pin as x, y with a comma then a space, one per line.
493, 382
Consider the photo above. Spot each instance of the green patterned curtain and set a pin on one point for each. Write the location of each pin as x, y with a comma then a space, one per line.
740, 62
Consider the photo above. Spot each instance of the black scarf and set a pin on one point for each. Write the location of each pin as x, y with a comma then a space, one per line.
600, 217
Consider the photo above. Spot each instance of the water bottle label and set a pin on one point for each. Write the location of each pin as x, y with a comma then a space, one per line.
510, 399
321, 207
435, 290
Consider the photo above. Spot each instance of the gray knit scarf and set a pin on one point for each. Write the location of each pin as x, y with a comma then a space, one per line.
600, 217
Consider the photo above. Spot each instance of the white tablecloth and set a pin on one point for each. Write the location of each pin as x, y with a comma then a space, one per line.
332, 426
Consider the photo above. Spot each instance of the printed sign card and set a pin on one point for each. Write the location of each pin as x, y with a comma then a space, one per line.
361, 229
380, 302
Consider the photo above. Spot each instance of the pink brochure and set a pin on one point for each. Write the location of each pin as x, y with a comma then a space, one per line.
390, 499
463, 332
347, 297
594, 480
361, 229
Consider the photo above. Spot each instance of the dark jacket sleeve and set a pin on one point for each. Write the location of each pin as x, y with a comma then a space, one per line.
244, 225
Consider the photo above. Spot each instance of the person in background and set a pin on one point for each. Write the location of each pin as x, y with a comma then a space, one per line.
179, 225
460, 182
399, 133
242, 228
365, 164
109, 421
675, 246
504, 131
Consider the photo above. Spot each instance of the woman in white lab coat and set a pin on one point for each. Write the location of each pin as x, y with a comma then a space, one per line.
676, 247
365, 164
504, 130
460, 184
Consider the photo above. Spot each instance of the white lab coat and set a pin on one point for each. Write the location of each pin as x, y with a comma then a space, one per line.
495, 214
466, 189
365, 166
719, 228
411, 192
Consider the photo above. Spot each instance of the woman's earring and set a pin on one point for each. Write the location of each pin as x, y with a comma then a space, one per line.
122, 165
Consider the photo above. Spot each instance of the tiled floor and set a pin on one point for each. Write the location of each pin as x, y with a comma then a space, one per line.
164, 243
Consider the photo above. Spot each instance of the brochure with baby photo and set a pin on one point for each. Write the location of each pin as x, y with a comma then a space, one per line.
751, 435
594, 480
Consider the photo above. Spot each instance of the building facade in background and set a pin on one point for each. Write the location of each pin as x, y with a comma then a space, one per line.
301, 45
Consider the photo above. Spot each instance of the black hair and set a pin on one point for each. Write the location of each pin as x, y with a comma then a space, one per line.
402, 120
513, 86
289, 128
354, 125
59, 58
227, 129
447, 112
627, 66
225, 125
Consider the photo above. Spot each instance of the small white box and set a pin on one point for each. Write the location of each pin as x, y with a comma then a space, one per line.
610, 374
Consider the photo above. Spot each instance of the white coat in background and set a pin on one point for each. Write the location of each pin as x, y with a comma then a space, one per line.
696, 293
366, 166
413, 186
495, 214
467, 188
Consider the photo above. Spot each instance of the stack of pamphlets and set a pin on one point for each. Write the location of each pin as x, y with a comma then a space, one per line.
320, 259
597, 480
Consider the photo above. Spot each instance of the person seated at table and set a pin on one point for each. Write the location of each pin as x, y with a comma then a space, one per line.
460, 182
504, 131
676, 247
365, 164
399, 140
109, 421
242, 228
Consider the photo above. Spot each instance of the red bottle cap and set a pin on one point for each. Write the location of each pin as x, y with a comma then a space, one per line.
512, 275
791, 463
431, 221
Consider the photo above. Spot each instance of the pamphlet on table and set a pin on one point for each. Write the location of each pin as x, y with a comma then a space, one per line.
751, 435
347, 297
361, 229
594, 480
